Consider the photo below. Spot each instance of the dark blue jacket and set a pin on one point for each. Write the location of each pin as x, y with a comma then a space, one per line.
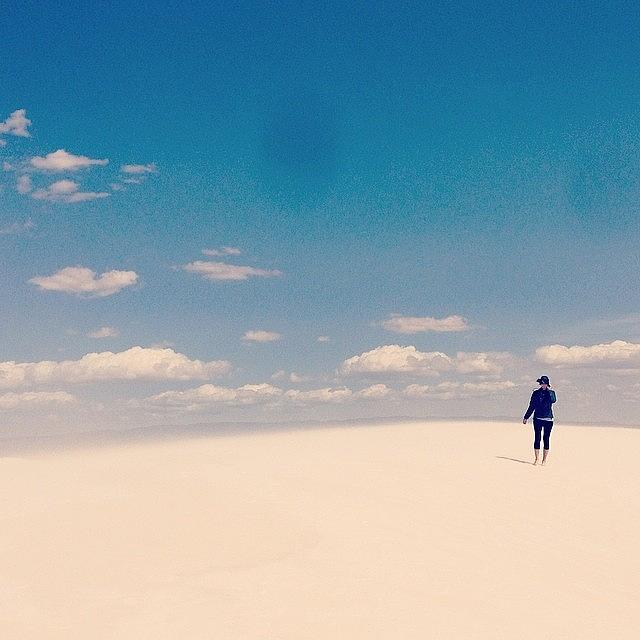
540, 405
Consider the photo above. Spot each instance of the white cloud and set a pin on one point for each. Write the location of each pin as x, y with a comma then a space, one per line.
450, 390
411, 324
398, 359
323, 339
136, 363
83, 281
327, 394
23, 184
224, 271
375, 392
16, 124
489, 363
293, 377
139, 168
261, 336
67, 191
209, 394
103, 332
15, 228
613, 354
222, 251
425, 390
12, 400
61, 160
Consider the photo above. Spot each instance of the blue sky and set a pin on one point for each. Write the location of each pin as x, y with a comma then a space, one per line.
414, 159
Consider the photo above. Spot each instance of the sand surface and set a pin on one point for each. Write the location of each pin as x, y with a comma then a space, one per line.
399, 531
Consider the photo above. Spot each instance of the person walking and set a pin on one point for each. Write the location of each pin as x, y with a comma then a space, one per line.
540, 406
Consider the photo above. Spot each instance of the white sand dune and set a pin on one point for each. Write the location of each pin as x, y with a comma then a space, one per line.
398, 531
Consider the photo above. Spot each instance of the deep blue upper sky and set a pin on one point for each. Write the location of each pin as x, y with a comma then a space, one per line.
415, 158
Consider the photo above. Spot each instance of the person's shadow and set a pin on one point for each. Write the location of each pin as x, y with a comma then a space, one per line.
514, 460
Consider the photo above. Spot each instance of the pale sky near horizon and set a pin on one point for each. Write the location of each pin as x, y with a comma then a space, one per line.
317, 210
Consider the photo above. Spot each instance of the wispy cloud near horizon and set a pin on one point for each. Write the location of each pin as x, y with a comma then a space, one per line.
12, 400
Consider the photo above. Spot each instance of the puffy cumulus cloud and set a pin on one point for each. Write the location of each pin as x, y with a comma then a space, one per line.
85, 282
222, 271
222, 251
61, 160
261, 336
412, 324
210, 394
323, 339
17, 124
394, 358
103, 332
139, 169
12, 400
15, 228
609, 355
451, 390
67, 191
23, 184
136, 363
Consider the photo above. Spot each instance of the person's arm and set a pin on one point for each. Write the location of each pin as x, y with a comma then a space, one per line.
553, 395
532, 406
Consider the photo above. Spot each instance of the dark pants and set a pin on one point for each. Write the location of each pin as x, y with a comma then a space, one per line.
538, 427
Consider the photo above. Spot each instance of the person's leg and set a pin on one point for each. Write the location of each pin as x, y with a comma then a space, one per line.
537, 430
547, 434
